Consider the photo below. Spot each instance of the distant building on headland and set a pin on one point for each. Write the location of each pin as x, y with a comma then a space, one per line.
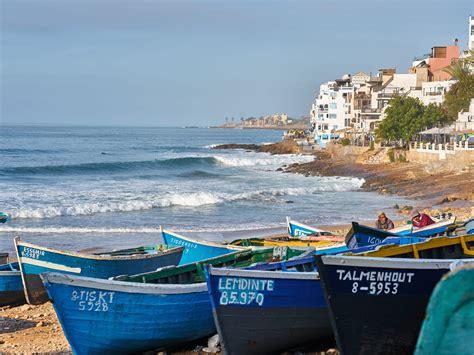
273, 121
277, 119
357, 103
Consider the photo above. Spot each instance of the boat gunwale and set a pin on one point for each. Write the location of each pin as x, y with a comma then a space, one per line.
122, 286
202, 241
388, 250
383, 262
10, 273
77, 254
299, 224
277, 274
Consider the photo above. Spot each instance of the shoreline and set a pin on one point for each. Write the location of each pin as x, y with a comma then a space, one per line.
432, 186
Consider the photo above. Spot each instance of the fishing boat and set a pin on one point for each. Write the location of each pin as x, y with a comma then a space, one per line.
460, 247
4, 217
195, 250
449, 324
297, 229
11, 287
154, 310
388, 280
34, 260
361, 235
268, 312
285, 241
377, 305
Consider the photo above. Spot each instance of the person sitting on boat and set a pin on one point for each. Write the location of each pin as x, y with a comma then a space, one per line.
421, 220
383, 222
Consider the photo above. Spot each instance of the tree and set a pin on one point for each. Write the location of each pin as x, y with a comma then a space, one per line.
458, 97
434, 116
404, 118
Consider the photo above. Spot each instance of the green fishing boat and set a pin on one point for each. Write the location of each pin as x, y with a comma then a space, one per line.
194, 272
449, 324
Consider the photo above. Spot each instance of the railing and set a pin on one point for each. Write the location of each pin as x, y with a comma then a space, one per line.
370, 110
436, 148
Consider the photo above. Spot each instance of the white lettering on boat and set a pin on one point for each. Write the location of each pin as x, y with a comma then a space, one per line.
184, 243
32, 253
375, 282
243, 291
92, 301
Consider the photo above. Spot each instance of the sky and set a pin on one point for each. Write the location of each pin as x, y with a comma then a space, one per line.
182, 62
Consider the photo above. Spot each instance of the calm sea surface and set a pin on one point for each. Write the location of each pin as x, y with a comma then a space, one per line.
81, 187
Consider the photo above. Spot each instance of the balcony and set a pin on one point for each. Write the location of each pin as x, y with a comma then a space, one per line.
370, 110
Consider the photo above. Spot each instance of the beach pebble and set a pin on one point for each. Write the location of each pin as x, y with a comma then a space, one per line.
40, 324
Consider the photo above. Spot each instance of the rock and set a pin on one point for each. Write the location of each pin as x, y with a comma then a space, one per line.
289, 201
332, 352
396, 207
24, 308
214, 341
40, 324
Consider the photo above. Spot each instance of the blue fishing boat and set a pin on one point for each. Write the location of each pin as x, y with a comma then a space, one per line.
11, 287
297, 229
449, 324
158, 309
268, 312
377, 305
196, 250
34, 260
110, 317
360, 235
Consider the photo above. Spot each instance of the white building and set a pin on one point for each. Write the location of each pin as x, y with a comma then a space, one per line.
331, 110
360, 79
432, 92
465, 121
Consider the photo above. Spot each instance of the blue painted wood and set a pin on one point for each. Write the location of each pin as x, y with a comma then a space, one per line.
297, 229
11, 287
364, 236
196, 250
109, 317
35, 260
267, 312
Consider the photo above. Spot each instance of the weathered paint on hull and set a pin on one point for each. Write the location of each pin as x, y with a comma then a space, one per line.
37, 260
291, 313
384, 323
111, 317
449, 325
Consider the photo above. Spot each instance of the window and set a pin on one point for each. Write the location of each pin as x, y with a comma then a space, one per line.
332, 115
333, 105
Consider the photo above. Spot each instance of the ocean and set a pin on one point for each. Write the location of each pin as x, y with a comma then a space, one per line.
110, 187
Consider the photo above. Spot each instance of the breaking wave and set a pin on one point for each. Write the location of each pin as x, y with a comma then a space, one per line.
192, 199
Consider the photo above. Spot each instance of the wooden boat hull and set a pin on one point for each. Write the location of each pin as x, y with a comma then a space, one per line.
110, 317
297, 229
11, 287
449, 324
35, 260
196, 250
360, 235
377, 305
267, 312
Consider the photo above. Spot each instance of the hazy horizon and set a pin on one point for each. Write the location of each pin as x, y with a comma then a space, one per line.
182, 63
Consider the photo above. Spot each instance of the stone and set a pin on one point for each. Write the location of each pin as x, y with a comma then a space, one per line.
40, 324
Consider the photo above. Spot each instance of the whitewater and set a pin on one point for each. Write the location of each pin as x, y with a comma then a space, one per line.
83, 187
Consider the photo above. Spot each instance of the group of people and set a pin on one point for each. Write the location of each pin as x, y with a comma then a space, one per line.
418, 220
